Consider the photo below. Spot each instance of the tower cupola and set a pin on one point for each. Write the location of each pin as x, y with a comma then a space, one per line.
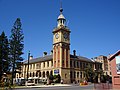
61, 19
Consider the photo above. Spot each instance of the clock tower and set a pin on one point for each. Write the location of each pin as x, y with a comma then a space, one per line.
61, 48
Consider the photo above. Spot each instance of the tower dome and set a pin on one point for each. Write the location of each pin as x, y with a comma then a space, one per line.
61, 16
61, 19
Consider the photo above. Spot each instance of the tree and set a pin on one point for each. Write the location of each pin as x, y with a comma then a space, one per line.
99, 74
89, 73
51, 77
4, 54
16, 47
57, 78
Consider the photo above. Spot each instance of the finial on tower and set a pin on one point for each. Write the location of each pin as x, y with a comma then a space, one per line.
61, 19
61, 9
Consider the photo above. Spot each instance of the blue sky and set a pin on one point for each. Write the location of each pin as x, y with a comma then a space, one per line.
94, 24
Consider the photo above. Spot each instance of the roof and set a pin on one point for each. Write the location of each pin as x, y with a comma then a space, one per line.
40, 59
50, 57
80, 58
97, 62
115, 54
61, 16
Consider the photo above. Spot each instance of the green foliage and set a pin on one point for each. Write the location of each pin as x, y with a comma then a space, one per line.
97, 74
105, 78
81, 81
57, 78
89, 73
16, 47
4, 54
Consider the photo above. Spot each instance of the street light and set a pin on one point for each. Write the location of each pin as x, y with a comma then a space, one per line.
94, 78
28, 65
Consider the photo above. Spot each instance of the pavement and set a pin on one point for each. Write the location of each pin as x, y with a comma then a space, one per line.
55, 85
37, 86
104, 86
101, 86
42, 86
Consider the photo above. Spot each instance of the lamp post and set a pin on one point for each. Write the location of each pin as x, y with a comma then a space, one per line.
94, 78
28, 65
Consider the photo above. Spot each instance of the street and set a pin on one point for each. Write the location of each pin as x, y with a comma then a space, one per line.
90, 87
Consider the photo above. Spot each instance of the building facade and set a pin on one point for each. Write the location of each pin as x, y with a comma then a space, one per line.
106, 67
69, 66
115, 69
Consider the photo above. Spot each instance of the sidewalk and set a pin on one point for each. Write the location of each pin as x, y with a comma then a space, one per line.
42, 86
97, 86
55, 85
39, 86
102, 86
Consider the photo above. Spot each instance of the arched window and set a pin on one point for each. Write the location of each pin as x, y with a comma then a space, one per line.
74, 74
77, 74
47, 73
71, 74
74, 64
77, 64
70, 63
30, 74
33, 74
44, 64
36, 74
51, 63
43, 74
39, 74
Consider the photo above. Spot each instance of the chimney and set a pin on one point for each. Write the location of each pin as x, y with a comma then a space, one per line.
44, 54
51, 53
31, 57
74, 52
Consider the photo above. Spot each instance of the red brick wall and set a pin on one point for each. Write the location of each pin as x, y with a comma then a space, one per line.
63, 63
55, 57
115, 76
58, 56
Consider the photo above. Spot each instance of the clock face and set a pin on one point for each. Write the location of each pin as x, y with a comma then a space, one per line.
56, 35
66, 36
